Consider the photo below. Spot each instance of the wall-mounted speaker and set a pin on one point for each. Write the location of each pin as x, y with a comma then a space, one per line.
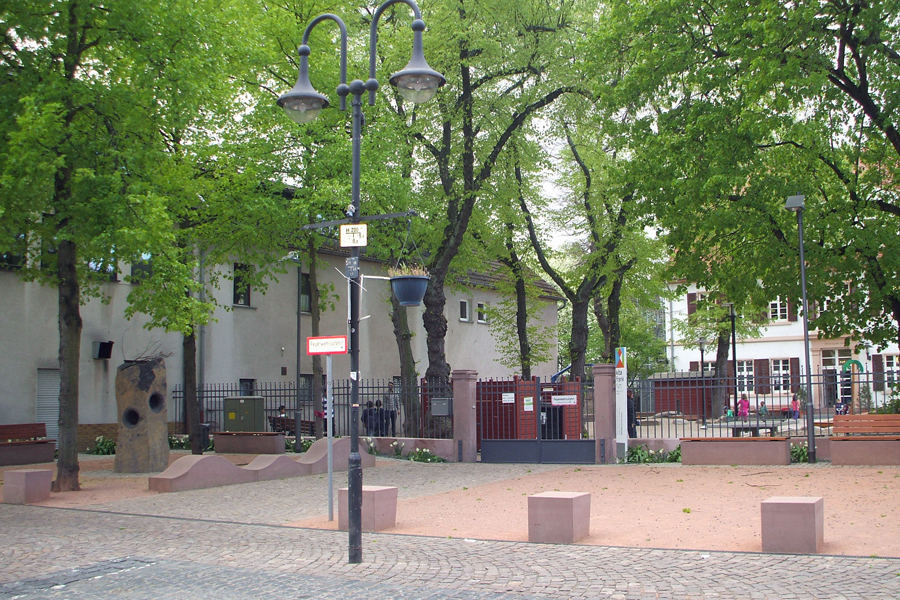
102, 350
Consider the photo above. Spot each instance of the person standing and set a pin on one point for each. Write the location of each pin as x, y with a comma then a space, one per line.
795, 408
391, 409
744, 407
368, 417
632, 415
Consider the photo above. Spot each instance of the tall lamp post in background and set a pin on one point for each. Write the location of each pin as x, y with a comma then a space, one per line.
702, 342
796, 204
734, 366
416, 83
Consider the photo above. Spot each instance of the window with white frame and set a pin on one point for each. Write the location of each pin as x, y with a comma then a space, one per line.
778, 310
744, 373
891, 369
709, 365
781, 374
482, 313
465, 310
241, 296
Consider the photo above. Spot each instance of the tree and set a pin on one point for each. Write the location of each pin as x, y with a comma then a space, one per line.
81, 156
499, 78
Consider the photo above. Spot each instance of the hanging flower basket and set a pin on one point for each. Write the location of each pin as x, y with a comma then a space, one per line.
409, 289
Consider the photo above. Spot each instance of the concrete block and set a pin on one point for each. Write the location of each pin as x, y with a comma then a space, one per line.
736, 451
26, 486
379, 508
248, 442
559, 517
793, 524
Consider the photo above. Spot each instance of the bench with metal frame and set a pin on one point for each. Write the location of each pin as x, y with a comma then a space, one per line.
865, 440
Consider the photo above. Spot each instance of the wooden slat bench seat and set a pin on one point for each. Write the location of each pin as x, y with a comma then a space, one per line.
866, 440
736, 451
287, 426
25, 443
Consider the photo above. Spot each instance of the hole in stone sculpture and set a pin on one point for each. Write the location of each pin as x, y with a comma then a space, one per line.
130, 418
157, 402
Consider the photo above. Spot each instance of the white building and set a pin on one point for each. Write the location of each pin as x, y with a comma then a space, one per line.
772, 366
255, 338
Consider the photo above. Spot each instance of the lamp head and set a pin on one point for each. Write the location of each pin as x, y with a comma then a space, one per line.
417, 82
795, 203
303, 103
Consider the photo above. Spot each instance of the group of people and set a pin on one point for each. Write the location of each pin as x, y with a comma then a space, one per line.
743, 408
380, 418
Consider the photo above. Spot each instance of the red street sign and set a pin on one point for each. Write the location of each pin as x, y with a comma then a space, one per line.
329, 344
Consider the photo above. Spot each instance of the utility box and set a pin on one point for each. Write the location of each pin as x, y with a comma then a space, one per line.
245, 413
441, 407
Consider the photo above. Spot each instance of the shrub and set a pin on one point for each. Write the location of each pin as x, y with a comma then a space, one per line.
397, 448
103, 446
424, 455
641, 454
179, 442
799, 453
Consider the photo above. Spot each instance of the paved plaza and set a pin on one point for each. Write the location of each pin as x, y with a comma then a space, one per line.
230, 542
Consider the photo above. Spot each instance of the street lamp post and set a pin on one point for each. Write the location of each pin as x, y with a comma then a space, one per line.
416, 83
796, 204
702, 342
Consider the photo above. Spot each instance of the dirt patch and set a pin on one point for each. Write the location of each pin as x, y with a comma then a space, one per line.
670, 506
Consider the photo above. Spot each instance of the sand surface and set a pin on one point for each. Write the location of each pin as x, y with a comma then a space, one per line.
655, 506
671, 506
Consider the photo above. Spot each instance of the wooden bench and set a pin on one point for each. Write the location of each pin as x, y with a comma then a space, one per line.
287, 426
753, 427
25, 444
736, 451
865, 440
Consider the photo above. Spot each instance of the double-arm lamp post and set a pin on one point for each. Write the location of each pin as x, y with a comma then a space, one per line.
796, 204
416, 83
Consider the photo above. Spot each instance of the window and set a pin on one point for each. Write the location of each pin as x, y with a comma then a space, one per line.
248, 387
14, 257
778, 310
891, 369
745, 375
465, 310
142, 269
709, 366
839, 382
781, 375
305, 293
482, 312
241, 285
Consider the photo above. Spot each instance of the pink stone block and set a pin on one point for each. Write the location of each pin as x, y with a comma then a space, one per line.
27, 486
793, 524
379, 508
559, 517
196, 472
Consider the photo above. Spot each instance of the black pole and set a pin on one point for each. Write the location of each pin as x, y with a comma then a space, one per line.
702, 384
810, 413
354, 463
734, 358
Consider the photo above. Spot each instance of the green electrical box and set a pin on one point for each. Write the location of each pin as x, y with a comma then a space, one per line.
245, 413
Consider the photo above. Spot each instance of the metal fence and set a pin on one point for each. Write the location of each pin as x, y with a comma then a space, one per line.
694, 404
425, 406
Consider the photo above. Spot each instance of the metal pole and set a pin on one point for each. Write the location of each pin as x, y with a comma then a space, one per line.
354, 463
810, 413
702, 383
329, 424
299, 343
734, 357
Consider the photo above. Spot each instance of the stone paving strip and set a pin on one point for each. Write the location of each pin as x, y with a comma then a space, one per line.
228, 543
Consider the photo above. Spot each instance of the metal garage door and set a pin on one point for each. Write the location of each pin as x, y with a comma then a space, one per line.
48, 400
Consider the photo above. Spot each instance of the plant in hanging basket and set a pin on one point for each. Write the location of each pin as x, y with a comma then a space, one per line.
409, 284
407, 270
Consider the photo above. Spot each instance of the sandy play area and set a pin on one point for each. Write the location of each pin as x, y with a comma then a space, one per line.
657, 506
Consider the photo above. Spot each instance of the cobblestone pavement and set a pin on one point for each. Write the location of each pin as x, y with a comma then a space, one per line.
226, 543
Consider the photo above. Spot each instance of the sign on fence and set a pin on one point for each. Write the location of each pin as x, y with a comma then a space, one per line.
564, 400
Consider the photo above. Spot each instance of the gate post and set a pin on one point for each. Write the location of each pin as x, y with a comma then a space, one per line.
465, 417
605, 412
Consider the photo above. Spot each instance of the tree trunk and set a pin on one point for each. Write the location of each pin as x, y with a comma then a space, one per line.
191, 403
436, 327
613, 313
721, 390
522, 321
603, 324
69, 361
579, 338
409, 400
